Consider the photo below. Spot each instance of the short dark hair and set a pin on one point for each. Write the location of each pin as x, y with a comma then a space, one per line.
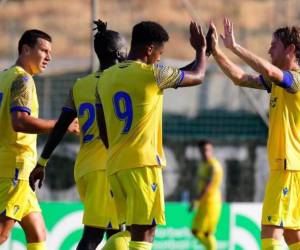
148, 32
203, 142
289, 35
30, 38
106, 42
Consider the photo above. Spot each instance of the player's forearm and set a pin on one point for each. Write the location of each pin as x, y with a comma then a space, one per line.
57, 133
260, 65
32, 125
196, 75
235, 73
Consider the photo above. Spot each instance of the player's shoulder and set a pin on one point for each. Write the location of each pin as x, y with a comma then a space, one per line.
20, 74
88, 79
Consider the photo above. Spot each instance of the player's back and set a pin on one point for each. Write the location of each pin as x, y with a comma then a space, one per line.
132, 104
17, 93
92, 153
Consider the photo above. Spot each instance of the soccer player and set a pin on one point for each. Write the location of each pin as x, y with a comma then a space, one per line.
209, 200
131, 95
90, 174
19, 127
281, 78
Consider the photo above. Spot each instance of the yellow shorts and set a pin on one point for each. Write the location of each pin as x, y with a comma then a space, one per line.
99, 206
139, 195
207, 217
282, 199
17, 200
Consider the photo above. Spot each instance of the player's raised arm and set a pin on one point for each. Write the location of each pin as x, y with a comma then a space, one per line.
195, 75
259, 64
233, 71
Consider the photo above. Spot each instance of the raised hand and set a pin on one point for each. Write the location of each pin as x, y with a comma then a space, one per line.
214, 37
228, 37
197, 39
37, 174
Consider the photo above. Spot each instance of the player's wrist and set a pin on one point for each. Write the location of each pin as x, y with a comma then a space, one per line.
42, 161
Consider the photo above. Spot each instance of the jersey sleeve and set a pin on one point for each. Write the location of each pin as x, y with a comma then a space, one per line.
69, 105
167, 77
295, 80
21, 94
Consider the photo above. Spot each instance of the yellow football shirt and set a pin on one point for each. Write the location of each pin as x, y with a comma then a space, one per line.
212, 172
92, 153
17, 150
284, 128
131, 94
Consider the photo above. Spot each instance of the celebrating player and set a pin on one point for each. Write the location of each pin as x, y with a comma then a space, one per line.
19, 126
281, 78
131, 94
90, 175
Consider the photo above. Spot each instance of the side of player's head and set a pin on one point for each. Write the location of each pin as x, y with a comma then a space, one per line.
147, 33
206, 148
289, 36
30, 38
109, 45
149, 38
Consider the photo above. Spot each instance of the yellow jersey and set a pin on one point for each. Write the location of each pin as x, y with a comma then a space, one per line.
92, 153
210, 172
131, 94
284, 128
17, 150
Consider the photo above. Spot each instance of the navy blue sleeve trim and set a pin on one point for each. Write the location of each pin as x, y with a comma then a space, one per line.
287, 80
261, 78
181, 78
22, 109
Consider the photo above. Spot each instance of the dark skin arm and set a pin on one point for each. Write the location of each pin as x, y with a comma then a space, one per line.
56, 135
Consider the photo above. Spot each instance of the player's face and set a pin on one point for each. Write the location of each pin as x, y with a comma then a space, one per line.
207, 151
39, 56
155, 53
277, 52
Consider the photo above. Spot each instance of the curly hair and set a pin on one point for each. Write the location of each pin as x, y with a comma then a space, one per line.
148, 32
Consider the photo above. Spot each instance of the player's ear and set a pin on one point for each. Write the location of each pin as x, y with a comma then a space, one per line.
26, 49
149, 49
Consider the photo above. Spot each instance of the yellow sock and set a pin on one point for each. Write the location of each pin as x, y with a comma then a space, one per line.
140, 245
295, 246
37, 246
209, 241
270, 244
119, 241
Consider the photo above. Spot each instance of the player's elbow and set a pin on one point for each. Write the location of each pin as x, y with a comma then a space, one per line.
17, 126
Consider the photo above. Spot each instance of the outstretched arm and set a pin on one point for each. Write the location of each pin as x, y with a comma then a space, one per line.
65, 120
194, 74
259, 64
233, 71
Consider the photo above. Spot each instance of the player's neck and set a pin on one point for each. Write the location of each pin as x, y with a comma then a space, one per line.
20, 62
137, 56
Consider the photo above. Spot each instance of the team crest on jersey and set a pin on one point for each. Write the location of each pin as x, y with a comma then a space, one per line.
285, 191
273, 102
